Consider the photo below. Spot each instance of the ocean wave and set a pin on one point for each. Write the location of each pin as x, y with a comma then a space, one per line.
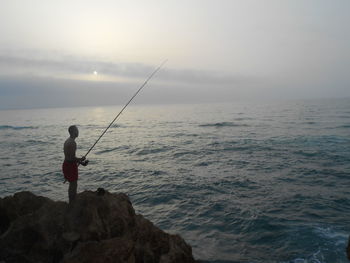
182, 134
239, 146
147, 151
344, 116
37, 142
113, 149
307, 153
118, 125
346, 126
223, 124
9, 127
310, 122
182, 153
316, 257
202, 164
157, 172
330, 233
243, 119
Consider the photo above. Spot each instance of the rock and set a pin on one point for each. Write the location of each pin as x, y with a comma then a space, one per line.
97, 227
348, 249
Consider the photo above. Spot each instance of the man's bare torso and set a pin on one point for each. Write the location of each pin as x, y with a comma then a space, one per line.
69, 150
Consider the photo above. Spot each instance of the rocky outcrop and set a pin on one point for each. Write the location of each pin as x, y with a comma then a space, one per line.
97, 227
348, 249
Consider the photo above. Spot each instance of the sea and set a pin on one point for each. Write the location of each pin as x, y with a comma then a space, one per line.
240, 181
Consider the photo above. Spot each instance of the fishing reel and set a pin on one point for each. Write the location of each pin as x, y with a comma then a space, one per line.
84, 163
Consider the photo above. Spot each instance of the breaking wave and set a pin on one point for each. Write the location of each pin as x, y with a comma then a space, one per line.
223, 124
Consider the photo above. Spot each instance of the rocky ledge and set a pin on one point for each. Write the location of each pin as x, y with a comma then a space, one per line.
98, 227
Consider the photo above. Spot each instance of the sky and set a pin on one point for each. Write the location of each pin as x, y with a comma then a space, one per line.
80, 53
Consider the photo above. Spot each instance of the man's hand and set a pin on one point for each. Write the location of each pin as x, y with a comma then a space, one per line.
82, 159
84, 163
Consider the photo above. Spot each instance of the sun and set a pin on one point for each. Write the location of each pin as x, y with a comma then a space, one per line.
95, 73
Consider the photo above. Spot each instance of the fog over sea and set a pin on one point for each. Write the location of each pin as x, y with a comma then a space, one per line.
240, 182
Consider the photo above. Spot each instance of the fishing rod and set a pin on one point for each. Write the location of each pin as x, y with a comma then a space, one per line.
144, 84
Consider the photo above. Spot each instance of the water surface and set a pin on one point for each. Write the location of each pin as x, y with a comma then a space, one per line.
241, 182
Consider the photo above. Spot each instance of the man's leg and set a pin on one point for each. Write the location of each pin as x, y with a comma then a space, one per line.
72, 191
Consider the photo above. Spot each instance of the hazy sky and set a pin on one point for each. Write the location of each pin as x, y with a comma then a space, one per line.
80, 52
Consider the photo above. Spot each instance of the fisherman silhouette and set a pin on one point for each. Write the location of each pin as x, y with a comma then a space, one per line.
71, 162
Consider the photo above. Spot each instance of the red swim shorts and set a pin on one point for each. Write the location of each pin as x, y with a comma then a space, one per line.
70, 171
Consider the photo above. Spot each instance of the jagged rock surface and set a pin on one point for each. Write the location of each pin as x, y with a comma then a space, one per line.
348, 250
96, 228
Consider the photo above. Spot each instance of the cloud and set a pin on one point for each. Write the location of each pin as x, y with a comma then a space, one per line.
42, 92
39, 92
56, 65
38, 79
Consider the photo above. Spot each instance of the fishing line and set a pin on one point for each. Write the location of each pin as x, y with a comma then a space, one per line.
144, 84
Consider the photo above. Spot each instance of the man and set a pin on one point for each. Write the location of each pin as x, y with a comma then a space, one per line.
70, 164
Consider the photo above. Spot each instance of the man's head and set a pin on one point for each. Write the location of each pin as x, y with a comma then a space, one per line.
73, 131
